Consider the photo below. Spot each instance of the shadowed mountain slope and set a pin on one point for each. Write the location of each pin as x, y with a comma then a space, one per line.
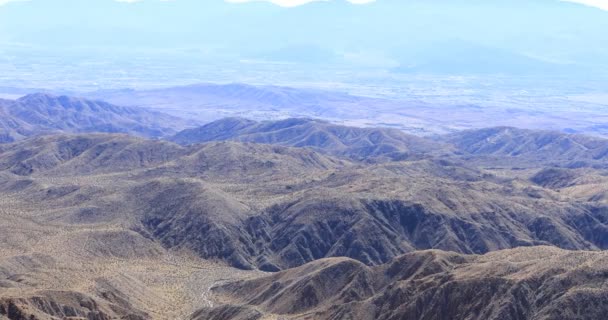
38, 114
122, 227
525, 283
273, 207
351, 142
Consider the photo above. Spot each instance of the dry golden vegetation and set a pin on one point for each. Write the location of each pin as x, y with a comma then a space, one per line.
523, 283
104, 226
53, 255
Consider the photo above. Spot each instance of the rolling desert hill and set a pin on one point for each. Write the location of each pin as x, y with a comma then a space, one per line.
584, 184
546, 147
342, 141
489, 147
273, 207
114, 226
38, 114
523, 283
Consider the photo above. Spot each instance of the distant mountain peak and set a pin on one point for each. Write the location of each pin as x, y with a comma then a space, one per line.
38, 96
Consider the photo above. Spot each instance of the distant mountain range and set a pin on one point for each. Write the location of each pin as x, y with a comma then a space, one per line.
42, 114
415, 115
494, 145
351, 142
542, 146
37, 114
222, 100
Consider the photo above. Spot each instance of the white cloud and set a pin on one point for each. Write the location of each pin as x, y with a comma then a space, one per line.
602, 4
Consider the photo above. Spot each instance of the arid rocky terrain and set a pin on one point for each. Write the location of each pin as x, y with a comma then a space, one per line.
297, 218
522, 283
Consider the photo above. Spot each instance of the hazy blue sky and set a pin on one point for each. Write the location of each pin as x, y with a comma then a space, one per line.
452, 36
290, 3
603, 4
596, 3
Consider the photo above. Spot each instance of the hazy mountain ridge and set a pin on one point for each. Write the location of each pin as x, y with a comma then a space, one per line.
507, 145
490, 146
350, 142
38, 114
546, 145
419, 114
216, 101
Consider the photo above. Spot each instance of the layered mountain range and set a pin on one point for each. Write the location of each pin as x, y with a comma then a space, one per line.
297, 218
